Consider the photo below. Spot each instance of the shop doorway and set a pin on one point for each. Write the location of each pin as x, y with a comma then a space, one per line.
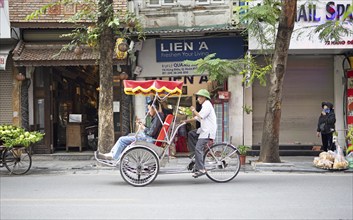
65, 105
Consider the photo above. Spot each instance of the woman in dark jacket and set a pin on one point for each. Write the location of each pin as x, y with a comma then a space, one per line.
326, 126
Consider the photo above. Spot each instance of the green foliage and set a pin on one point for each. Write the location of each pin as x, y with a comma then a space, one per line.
219, 69
349, 149
11, 136
349, 138
261, 20
247, 109
89, 22
334, 30
243, 149
349, 135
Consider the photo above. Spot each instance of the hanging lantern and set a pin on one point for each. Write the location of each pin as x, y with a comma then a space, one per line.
123, 46
20, 77
123, 76
78, 51
131, 24
119, 53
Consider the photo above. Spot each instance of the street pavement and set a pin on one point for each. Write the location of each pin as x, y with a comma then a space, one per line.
84, 161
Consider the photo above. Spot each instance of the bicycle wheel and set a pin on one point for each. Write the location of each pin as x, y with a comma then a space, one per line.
139, 166
17, 160
222, 162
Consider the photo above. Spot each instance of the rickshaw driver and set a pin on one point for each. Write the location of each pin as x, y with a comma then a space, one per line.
206, 132
148, 134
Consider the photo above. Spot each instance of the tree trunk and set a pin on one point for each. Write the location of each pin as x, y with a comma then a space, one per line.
105, 110
125, 112
269, 152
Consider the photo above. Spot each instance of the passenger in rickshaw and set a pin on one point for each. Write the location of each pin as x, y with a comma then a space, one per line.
198, 138
148, 134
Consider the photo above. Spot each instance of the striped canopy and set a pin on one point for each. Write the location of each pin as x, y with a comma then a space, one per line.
153, 87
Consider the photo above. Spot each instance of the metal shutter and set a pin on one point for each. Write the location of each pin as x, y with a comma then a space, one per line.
308, 82
6, 93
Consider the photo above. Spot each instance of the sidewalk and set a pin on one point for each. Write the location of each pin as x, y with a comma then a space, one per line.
84, 161
72, 161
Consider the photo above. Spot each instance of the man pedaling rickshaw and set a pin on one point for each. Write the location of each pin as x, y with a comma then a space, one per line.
198, 138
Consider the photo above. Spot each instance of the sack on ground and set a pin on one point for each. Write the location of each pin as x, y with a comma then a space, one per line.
340, 162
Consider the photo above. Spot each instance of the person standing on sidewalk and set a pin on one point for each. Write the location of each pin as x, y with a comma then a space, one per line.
326, 126
198, 138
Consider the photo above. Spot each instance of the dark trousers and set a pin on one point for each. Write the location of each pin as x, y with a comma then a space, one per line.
192, 140
327, 143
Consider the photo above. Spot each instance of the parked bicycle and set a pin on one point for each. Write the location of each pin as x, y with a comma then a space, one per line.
17, 160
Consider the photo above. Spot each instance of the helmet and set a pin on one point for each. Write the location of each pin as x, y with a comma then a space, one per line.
204, 93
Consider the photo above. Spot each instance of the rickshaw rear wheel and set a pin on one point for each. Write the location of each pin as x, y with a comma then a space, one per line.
222, 162
139, 166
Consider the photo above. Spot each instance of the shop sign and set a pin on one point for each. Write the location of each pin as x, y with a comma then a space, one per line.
225, 95
173, 50
310, 15
165, 57
3, 61
5, 29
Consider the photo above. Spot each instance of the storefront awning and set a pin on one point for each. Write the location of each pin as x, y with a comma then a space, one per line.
48, 54
4, 53
152, 87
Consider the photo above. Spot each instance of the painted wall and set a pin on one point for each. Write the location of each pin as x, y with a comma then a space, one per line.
185, 13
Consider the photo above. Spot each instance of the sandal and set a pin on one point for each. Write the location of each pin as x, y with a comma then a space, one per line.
199, 173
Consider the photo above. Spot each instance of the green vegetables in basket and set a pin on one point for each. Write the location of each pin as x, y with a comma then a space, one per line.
11, 135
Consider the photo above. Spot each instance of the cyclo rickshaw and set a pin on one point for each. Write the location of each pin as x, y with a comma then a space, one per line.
141, 161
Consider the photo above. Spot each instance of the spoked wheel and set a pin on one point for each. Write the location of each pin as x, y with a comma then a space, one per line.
17, 160
222, 162
139, 166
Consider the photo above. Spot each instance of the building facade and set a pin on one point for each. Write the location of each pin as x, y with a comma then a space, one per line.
9, 86
188, 30
316, 72
59, 94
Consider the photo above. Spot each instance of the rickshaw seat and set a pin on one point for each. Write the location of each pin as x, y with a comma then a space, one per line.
162, 134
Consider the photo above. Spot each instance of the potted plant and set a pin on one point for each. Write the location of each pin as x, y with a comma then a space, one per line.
349, 138
243, 149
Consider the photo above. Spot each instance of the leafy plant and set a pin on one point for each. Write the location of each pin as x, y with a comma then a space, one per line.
87, 30
349, 138
12, 135
247, 109
243, 149
219, 69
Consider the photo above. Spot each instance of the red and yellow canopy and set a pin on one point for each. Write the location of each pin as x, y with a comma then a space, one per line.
152, 87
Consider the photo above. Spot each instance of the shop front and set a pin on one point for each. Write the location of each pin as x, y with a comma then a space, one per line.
62, 95
316, 72
162, 58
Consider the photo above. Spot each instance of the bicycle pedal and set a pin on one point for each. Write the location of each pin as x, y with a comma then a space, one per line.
191, 166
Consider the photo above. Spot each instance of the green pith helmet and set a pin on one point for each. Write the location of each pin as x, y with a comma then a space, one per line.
204, 93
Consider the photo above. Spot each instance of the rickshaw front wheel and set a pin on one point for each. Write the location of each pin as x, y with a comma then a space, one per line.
139, 166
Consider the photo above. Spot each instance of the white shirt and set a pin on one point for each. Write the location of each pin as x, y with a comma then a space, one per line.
208, 121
